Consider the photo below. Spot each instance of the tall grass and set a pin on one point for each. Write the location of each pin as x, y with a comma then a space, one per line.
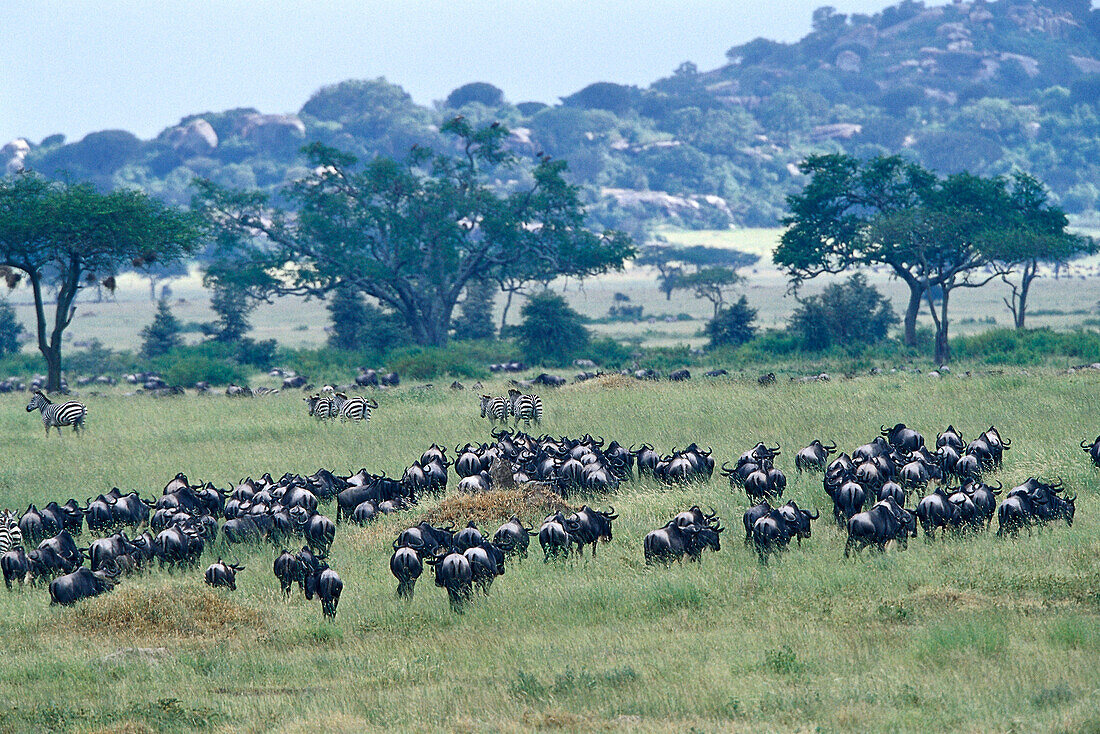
962, 634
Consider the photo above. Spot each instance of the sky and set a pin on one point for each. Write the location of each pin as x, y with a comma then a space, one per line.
78, 66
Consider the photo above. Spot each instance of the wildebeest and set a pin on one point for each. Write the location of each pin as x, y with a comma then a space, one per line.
513, 537
486, 563
672, 542
884, 522
327, 586
1093, 450
555, 536
288, 570
82, 583
814, 457
222, 574
453, 573
406, 567
903, 438
936, 511
15, 566
592, 526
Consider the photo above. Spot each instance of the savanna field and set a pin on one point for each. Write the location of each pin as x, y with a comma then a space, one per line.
964, 634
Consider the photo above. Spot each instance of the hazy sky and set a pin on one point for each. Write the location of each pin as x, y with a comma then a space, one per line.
82, 65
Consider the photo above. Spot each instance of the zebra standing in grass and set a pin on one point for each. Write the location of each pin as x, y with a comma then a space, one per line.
320, 407
55, 415
10, 534
354, 409
525, 407
495, 409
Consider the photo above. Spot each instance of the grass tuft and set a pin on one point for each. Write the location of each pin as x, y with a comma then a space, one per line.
530, 501
167, 610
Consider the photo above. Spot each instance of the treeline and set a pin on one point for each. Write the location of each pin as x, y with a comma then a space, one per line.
987, 87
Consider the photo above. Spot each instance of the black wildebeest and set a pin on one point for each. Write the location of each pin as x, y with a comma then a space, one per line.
15, 566
513, 537
1093, 450
673, 542
884, 522
814, 457
288, 570
555, 536
406, 567
327, 586
453, 573
936, 511
486, 563
592, 526
223, 574
82, 583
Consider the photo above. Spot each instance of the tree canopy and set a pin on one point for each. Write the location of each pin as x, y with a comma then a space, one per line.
67, 237
412, 233
935, 234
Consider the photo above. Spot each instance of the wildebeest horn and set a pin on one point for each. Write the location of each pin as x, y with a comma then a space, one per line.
829, 447
813, 516
1000, 486
712, 513
885, 431
1085, 445
1073, 498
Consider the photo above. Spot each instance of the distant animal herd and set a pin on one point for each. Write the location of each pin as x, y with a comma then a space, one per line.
870, 489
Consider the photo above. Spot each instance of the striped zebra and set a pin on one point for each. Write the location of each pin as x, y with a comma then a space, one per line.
495, 409
525, 408
354, 409
55, 415
320, 407
10, 534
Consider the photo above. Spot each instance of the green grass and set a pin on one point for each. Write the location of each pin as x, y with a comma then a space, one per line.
970, 634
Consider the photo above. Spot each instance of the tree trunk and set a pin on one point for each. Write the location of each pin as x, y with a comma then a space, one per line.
1021, 300
943, 347
916, 290
507, 305
53, 367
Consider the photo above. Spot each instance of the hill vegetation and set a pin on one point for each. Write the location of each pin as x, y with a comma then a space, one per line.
989, 87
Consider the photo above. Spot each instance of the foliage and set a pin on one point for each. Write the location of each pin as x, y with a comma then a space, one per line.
69, 236
851, 314
481, 93
348, 313
958, 231
673, 262
232, 305
11, 330
163, 334
732, 324
551, 331
187, 366
475, 320
411, 234
711, 283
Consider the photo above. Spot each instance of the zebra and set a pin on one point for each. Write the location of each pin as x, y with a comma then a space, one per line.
354, 409
525, 407
495, 409
10, 534
55, 415
320, 407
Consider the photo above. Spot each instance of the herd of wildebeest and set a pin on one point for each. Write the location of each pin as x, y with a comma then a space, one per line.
872, 490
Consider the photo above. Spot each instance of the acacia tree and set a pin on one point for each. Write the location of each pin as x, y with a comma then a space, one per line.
65, 237
935, 234
1040, 237
712, 284
410, 234
674, 261
829, 220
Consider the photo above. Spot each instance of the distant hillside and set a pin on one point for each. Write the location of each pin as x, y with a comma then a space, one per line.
984, 86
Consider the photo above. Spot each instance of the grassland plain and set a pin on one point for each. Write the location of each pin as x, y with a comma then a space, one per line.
973, 634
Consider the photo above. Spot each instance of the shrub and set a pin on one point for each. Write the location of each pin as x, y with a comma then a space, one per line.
186, 367
606, 352
232, 306
163, 334
551, 332
732, 325
849, 314
255, 353
348, 313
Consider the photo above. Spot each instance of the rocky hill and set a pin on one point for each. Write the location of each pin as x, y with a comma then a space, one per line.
983, 86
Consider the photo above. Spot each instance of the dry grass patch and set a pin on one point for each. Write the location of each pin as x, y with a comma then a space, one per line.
529, 500
125, 727
165, 611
